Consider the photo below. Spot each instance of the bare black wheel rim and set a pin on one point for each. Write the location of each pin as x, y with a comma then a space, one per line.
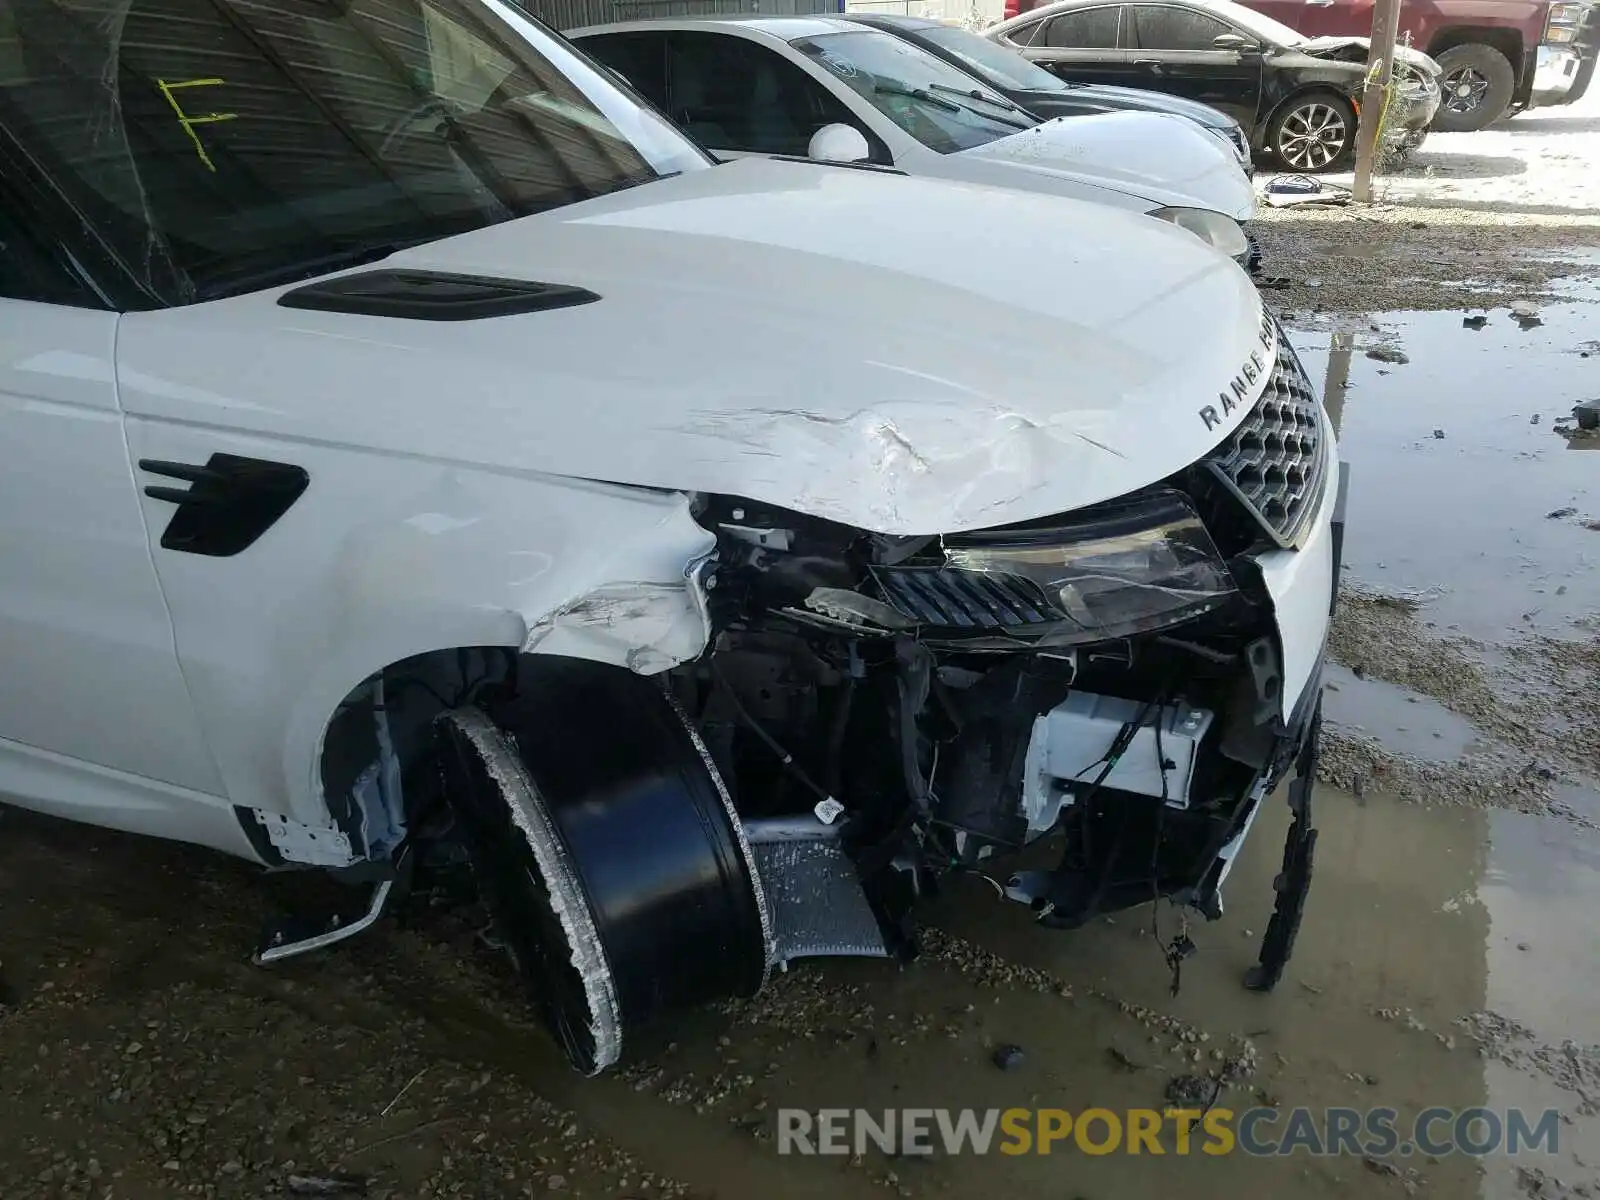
520, 898
604, 838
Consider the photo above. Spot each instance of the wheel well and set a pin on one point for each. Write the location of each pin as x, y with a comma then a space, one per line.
1507, 41
377, 744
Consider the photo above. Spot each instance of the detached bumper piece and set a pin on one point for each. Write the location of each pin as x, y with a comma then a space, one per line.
1293, 882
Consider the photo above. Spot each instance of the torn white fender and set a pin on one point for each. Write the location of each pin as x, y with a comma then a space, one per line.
646, 627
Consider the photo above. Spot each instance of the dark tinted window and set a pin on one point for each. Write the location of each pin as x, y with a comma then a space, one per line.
728, 93
31, 267
1176, 29
223, 145
1086, 29
998, 66
640, 57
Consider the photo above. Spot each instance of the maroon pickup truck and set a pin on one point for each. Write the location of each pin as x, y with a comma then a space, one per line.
1498, 56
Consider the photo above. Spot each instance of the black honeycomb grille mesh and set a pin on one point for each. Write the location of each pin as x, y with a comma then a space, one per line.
1276, 462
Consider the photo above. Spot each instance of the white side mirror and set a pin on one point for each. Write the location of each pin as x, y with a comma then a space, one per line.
838, 143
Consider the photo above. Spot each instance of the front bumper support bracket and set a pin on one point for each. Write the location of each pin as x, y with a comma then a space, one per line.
1293, 882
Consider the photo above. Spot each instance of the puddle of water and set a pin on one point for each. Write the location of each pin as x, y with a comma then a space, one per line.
1541, 890
1406, 722
1418, 917
1464, 517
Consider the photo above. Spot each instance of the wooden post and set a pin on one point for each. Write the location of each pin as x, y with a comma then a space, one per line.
1380, 69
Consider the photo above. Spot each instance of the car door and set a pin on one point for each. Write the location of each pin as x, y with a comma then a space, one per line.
1081, 45
1174, 51
90, 684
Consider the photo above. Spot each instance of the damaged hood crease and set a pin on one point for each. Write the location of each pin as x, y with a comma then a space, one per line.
884, 376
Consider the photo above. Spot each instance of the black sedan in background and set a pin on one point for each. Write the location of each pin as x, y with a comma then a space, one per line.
1038, 91
1297, 96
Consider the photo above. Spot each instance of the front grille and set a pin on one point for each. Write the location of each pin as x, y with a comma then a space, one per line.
1277, 461
964, 599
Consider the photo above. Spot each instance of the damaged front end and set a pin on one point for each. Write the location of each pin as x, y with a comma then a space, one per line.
1113, 675
937, 704
1088, 709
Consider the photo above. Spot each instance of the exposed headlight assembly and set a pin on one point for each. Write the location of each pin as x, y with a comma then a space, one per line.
1121, 568
1213, 228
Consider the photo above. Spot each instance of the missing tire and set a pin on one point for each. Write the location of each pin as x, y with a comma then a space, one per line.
609, 852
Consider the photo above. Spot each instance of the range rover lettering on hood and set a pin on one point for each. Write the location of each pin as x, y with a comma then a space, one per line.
1243, 384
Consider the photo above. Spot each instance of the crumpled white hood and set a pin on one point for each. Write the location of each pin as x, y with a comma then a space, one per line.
1165, 158
899, 354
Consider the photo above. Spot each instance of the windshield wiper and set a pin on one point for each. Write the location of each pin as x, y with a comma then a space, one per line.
1006, 118
927, 97
974, 94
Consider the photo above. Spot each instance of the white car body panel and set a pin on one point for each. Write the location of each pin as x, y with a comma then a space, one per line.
833, 368
76, 790
844, 368
1135, 161
83, 625
483, 483
1153, 155
425, 554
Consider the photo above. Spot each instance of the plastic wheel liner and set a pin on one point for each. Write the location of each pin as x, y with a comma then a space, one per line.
607, 848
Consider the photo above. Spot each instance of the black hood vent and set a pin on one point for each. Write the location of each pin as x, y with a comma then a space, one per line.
433, 296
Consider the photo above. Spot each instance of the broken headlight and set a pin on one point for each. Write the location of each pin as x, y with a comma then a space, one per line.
1124, 567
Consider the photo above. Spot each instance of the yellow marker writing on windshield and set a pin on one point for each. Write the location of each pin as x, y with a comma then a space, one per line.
189, 122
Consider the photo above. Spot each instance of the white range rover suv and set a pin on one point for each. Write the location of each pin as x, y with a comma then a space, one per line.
417, 451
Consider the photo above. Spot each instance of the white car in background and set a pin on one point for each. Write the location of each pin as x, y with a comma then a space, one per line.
835, 90
420, 452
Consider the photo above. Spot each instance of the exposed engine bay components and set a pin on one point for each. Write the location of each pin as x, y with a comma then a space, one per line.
872, 714
614, 863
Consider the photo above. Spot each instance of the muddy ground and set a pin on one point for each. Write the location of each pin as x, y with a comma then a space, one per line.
1449, 957
1487, 218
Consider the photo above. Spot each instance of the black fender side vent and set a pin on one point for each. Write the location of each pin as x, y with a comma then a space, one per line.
229, 503
433, 296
